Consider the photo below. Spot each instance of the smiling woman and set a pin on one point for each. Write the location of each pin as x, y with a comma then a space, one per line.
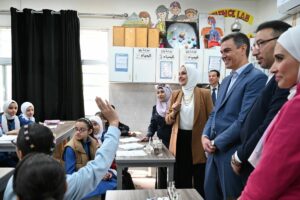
286, 66
270, 179
188, 113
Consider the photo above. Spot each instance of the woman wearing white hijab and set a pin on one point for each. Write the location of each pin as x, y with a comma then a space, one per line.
9, 122
9, 125
188, 113
26, 117
98, 127
277, 174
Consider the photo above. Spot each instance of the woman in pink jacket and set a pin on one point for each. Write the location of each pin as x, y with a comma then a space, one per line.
277, 174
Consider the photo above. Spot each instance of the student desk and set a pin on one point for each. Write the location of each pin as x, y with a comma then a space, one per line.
186, 194
61, 132
5, 174
64, 131
164, 159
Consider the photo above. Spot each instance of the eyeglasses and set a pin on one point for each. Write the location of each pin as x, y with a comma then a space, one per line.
258, 44
80, 130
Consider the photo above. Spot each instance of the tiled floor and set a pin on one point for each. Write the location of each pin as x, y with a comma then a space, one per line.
143, 178
144, 183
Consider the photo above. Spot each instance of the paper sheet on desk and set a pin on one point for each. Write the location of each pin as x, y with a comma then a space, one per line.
131, 146
8, 137
130, 139
4, 139
131, 153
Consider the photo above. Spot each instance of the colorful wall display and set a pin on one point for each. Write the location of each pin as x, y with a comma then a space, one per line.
211, 29
162, 13
234, 13
175, 9
182, 35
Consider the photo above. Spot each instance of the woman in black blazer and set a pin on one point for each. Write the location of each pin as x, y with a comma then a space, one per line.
158, 125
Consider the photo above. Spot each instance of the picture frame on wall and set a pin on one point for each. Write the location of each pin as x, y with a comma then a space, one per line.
181, 35
214, 62
192, 64
211, 29
166, 69
121, 62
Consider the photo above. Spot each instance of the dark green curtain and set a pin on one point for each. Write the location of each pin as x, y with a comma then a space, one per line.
46, 63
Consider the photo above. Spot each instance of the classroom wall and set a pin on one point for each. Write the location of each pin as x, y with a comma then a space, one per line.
128, 6
267, 10
134, 101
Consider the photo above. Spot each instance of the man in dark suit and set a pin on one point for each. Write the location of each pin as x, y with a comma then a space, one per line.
221, 135
213, 78
267, 103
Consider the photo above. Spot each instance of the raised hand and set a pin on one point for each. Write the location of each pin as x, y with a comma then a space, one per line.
108, 112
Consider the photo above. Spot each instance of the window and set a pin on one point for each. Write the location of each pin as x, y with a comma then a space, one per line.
94, 55
5, 65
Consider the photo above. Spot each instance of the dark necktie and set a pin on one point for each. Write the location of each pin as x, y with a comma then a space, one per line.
213, 95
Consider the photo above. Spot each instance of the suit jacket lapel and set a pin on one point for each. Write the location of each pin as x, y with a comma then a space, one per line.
222, 95
240, 77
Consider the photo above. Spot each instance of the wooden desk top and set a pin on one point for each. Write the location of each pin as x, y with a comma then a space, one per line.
186, 194
61, 132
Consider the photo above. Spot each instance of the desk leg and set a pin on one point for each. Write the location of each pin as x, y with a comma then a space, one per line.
119, 177
170, 173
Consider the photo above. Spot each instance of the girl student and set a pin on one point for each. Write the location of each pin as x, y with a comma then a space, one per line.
97, 127
26, 117
87, 178
82, 148
34, 178
9, 122
9, 125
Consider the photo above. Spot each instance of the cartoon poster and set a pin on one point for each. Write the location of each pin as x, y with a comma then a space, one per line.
211, 29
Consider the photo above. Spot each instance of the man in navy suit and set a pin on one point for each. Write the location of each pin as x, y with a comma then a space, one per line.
221, 135
267, 103
213, 78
